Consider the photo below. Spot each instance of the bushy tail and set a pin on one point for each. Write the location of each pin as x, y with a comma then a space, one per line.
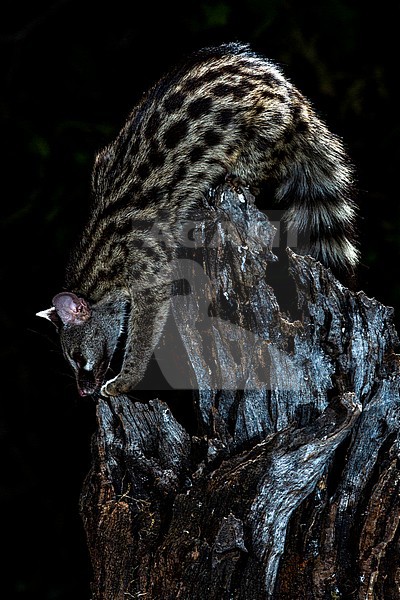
317, 179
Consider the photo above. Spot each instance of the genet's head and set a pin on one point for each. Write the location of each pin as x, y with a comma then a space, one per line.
88, 335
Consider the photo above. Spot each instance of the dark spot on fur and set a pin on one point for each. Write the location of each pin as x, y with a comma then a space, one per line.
136, 273
174, 102
226, 89
296, 111
216, 180
212, 138
149, 198
271, 80
302, 126
123, 228
117, 267
262, 144
156, 157
175, 133
196, 153
180, 173
152, 125
143, 170
149, 251
288, 135
153, 194
191, 84
136, 243
224, 117
182, 170
194, 83
234, 69
199, 107
268, 94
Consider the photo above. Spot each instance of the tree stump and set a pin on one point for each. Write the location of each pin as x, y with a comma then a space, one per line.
284, 481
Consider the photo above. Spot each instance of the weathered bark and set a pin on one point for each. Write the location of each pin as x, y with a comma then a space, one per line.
284, 484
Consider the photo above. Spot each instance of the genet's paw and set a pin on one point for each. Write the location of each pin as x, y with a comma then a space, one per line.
107, 391
114, 387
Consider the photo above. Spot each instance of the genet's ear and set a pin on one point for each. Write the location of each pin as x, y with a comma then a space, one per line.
51, 315
71, 309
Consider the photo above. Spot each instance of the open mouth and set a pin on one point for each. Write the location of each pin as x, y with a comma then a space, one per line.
85, 389
90, 382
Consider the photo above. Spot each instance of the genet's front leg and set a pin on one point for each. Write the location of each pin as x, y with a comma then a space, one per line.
148, 314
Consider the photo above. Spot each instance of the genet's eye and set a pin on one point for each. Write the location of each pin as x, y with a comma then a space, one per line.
79, 359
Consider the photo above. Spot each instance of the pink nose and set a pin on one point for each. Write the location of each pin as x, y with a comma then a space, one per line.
83, 392
87, 390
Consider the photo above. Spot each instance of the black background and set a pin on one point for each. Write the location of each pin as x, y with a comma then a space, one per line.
71, 72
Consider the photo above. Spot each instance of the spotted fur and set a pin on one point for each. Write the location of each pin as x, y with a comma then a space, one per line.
226, 110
